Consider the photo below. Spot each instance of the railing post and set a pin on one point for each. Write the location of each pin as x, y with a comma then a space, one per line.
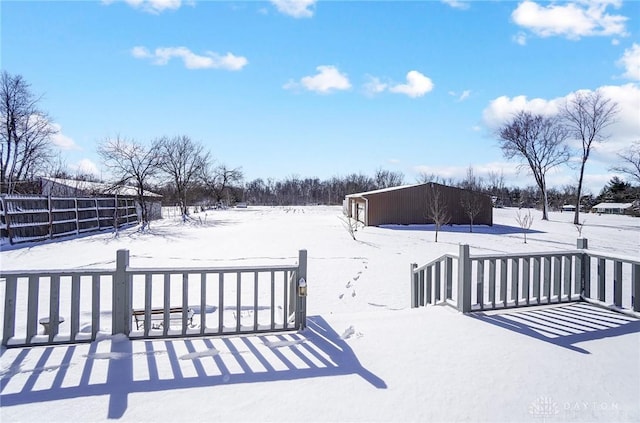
464, 279
414, 285
301, 290
121, 319
583, 266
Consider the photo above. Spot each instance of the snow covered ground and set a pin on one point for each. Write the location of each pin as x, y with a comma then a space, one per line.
366, 356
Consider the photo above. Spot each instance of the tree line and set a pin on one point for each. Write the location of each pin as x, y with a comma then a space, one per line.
185, 172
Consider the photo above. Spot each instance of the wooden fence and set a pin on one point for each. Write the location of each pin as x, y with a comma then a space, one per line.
36, 218
493, 281
68, 306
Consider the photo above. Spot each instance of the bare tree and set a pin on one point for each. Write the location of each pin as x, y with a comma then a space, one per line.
540, 142
586, 116
132, 162
386, 179
471, 203
630, 162
183, 161
437, 208
25, 133
219, 179
525, 222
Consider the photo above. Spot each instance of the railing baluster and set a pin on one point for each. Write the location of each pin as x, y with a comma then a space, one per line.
238, 301
536, 278
492, 282
167, 304
480, 286
32, 309
147, 303
95, 306
438, 281
185, 302
566, 269
429, 287
220, 302
54, 306
448, 272
503, 282
75, 306
421, 288
203, 302
547, 278
525, 279
617, 283
602, 270
255, 301
10, 294
557, 277
515, 280
273, 297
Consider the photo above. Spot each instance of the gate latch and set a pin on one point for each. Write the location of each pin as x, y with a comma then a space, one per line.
302, 288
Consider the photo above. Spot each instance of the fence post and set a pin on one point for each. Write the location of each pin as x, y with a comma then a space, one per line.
414, 285
464, 279
583, 267
121, 319
301, 294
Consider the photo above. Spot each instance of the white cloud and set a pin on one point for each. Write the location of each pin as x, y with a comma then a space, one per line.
631, 62
295, 8
520, 38
328, 79
417, 85
152, 6
462, 96
210, 60
374, 85
573, 20
504, 108
621, 133
87, 167
457, 4
63, 142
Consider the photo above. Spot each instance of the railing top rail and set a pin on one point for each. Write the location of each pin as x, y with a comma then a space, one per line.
60, 272
497, 256
230, 269
432, 262
590, 253
610, 256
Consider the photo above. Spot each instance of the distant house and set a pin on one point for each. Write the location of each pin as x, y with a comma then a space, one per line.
568, 208
407, 205
612, 208
58, 187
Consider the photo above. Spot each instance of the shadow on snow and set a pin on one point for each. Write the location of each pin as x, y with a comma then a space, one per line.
564, 326
318, 351
477, 229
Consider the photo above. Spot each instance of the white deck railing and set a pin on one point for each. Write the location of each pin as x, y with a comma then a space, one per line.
67, 306
492, 281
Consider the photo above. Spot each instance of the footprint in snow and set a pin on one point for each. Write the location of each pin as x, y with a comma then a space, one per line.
353, 294
348, 285
349, 332
340, 296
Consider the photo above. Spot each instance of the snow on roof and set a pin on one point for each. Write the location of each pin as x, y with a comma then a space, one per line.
378, 191
99, 187
612, 206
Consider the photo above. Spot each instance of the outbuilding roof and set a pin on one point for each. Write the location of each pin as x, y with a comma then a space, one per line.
100, 187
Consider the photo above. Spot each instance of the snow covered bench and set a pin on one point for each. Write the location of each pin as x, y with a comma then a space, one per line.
156, 316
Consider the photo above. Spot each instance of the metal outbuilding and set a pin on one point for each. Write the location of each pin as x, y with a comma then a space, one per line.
408, 205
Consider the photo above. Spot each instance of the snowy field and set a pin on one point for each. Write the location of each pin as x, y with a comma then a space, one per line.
366, 355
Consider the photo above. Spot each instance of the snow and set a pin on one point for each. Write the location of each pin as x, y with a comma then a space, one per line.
365, 355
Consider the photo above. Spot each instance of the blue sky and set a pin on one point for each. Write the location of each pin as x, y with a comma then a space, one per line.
322, 89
